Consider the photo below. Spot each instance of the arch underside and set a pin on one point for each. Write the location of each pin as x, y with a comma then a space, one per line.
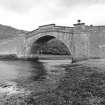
49, 45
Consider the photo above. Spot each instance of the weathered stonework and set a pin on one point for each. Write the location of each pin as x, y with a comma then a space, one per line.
82, 41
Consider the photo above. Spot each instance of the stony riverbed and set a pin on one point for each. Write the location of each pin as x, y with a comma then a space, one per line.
82, 84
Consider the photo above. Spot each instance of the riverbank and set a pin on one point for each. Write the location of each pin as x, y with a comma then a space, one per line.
83, 84
13, 57
35, 58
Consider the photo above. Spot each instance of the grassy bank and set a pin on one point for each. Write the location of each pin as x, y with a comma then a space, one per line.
82, 85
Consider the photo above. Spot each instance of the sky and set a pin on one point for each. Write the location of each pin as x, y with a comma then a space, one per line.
29, 14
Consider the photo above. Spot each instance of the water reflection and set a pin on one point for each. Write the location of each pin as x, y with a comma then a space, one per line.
38, 71
40, 75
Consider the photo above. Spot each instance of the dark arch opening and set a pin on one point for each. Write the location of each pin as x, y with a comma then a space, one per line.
44, 39
49, 45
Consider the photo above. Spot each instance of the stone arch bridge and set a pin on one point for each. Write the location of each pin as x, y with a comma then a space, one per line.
78, 41
46, 33
63, 35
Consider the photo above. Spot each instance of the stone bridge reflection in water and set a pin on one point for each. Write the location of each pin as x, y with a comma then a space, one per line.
26, 74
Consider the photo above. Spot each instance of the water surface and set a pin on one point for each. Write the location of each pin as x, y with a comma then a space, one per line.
39, 75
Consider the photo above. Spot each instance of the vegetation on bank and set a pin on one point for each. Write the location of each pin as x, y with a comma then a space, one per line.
52, 47
82, 85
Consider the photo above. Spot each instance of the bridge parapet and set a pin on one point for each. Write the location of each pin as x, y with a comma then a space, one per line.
50, 28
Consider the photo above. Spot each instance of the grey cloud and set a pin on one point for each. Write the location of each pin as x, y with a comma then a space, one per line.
66, 6
63, 6
69, 3
18, 5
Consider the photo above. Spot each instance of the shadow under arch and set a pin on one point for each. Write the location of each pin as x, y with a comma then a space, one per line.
49, 45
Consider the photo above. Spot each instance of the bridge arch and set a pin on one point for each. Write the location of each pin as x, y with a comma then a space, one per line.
49, 44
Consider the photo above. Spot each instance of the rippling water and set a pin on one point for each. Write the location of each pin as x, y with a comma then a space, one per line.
27, 74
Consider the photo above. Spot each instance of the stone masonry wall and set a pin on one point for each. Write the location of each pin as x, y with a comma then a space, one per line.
12, 46
84, 41
89, 41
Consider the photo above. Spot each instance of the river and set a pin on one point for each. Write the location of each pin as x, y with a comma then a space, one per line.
52, 82
42, 75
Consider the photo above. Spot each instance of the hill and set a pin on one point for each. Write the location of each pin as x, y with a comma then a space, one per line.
7, 32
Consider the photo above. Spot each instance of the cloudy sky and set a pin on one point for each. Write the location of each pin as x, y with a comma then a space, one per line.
29, 14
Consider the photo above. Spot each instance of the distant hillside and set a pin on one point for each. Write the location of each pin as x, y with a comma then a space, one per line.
53, 46
7, 32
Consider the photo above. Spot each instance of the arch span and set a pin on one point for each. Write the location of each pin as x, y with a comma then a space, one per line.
49, 45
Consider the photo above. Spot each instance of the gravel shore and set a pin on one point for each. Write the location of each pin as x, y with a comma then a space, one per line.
83, 84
